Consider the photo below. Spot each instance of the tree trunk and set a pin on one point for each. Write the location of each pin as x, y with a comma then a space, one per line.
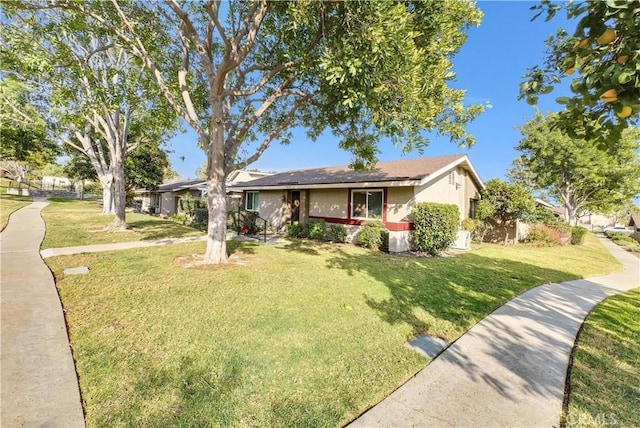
216, 252
505, 228
107, 198
120, 191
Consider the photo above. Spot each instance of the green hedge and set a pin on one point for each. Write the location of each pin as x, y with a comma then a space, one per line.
577, 235
374, 235
435, 227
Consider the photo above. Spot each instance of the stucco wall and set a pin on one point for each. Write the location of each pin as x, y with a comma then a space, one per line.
328, 202
442, 192
167, 203
400, 203
271, 207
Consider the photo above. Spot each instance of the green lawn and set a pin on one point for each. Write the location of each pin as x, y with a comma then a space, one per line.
10, 204
303, 334
605, 376
72, 222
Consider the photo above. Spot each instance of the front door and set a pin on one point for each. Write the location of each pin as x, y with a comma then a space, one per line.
295, 207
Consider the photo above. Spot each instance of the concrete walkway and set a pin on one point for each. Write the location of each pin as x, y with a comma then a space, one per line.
510, 369
39, 386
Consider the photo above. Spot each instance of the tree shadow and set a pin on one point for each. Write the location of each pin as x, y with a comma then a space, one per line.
155, 229
241, 247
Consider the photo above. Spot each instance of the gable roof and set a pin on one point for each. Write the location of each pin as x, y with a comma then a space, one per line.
634, 220
408, 172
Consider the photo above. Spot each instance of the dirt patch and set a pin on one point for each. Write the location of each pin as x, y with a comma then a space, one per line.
194, 261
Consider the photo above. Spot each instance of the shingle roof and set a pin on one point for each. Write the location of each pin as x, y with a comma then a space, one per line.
401, 170
173, 186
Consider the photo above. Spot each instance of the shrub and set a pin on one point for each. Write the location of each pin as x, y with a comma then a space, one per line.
577, 235
295, 230
316, 229
374, 235
435, 226
178, 218
478, 228
544, 235
200, 218
336, 233
560, 226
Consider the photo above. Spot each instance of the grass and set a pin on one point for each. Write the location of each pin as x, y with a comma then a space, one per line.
72, 222
304, 334
605, 376
9, 204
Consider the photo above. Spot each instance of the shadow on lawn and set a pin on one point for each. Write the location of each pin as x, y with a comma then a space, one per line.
157, 229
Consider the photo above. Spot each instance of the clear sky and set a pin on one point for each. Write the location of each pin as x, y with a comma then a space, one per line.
489, 66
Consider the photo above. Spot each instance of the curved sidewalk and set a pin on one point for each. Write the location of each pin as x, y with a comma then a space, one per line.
39, 385
510, 369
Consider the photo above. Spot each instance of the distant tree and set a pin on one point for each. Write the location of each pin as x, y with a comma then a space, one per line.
249, 72
145, 167
505, 203
604, 53
579, 173
23, 131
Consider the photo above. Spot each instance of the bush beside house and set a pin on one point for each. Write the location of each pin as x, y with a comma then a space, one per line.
435, 227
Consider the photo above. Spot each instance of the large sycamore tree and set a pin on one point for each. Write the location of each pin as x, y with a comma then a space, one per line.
601, 57
580, 173
251, 71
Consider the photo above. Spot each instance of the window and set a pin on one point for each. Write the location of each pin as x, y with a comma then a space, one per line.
472, 208
366, 204
252, 201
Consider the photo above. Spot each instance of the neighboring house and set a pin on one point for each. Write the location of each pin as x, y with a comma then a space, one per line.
634, 221
166, 199
343, 196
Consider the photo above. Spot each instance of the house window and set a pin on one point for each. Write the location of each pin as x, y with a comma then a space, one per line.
252, 201
366, 204
472, 208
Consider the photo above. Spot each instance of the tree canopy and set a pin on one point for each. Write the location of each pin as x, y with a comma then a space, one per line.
244, 74
602, 55
23, 131
579, 173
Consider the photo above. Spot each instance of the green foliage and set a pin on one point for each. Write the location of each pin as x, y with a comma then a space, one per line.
539, 215
600, 65
626, 242
336, 233
577, 235
297, 230
505, 203
478, 228
564, 166
435, 227
543, 235
179, 218
561, 226
145, 166
131, 194
374, 235
188, 204
93, 188
23, 132
316, 229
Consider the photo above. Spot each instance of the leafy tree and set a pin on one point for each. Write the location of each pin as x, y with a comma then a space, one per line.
249, 72
95, 89
603, 54
505, 203
579, 173
145, 167
23, 134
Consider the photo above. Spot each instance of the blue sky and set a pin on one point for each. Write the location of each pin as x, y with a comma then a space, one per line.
489, 66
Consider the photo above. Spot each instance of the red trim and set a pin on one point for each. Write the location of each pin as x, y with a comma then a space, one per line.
393, 227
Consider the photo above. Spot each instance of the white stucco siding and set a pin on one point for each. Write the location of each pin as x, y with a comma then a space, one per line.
328, 203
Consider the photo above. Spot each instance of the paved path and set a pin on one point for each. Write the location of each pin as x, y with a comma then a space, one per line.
39, 386
509, 369
51, 252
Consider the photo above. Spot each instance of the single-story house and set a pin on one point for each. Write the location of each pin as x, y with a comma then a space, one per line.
343, 196
165, 199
